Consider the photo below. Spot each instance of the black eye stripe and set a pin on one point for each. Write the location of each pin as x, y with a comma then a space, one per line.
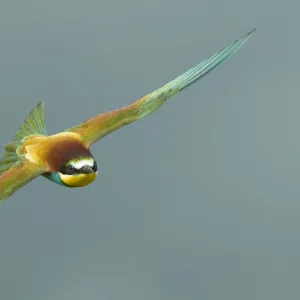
71, 169
68, 170
95, 166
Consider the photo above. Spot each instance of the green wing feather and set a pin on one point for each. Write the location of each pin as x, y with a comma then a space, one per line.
33, 124
17, 176
15, 169
103, 124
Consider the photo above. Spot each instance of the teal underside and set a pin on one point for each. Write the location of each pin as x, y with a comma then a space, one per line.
54, 177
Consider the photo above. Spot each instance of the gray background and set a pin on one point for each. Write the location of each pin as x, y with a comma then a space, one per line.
198, 201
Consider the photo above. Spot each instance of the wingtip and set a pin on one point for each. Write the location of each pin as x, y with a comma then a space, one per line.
247, 35
250, 32
41, 103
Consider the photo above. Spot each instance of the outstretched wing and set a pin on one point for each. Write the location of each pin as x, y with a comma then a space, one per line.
17, 176
103, 124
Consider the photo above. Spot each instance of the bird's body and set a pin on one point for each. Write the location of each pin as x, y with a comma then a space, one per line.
65, 158
55, 150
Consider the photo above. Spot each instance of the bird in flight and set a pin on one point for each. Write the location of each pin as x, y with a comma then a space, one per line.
65, 157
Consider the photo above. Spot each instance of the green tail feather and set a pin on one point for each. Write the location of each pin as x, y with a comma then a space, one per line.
33, 124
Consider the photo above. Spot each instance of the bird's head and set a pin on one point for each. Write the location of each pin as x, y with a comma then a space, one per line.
78, 172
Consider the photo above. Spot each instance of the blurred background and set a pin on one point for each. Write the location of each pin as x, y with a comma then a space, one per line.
200, 200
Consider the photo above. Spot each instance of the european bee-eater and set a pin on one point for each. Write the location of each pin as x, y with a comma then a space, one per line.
65, 157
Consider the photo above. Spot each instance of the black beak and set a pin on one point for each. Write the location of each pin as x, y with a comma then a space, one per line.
86, 170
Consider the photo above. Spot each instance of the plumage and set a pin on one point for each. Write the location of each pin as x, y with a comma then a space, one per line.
65, 158
99, 126
18, 175
79, 180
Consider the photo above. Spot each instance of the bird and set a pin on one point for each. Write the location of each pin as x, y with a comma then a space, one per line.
65, 158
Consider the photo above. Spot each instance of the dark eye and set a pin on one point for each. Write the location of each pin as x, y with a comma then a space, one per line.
95, 167
70, 170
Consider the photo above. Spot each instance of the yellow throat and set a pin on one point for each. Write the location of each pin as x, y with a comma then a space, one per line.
78, 180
